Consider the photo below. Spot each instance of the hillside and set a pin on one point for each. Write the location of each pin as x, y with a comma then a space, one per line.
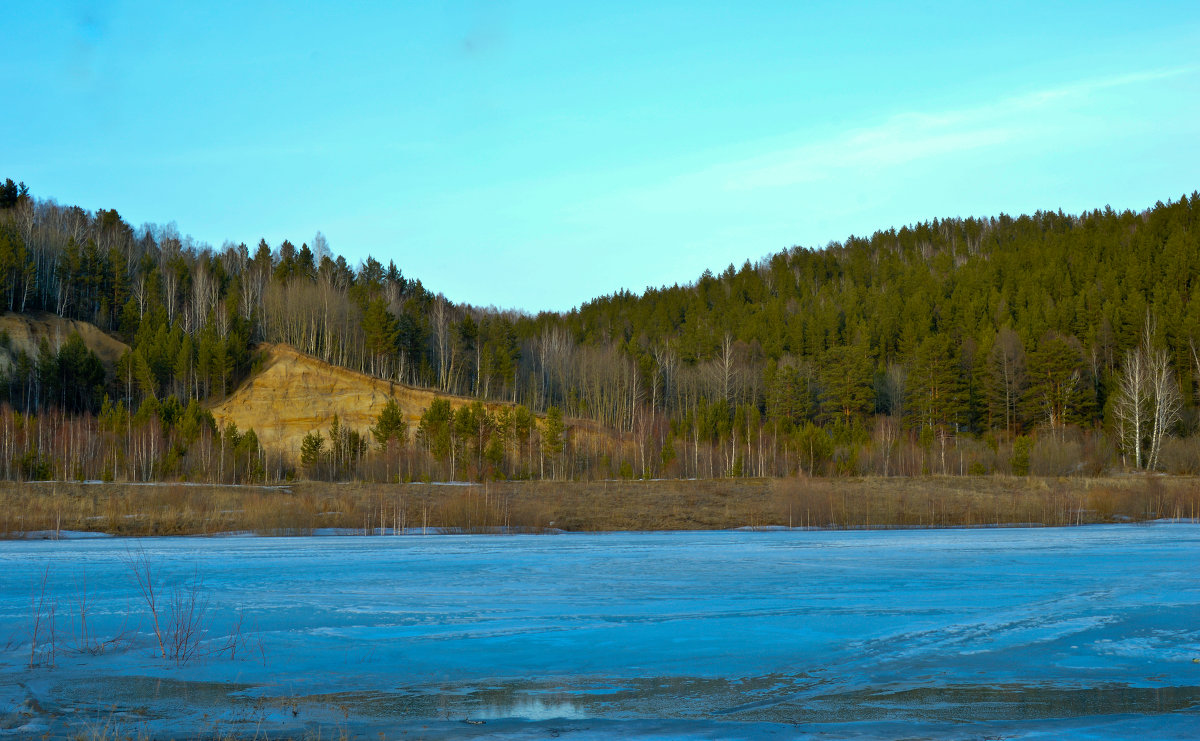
294, 394
980, 345
26, 331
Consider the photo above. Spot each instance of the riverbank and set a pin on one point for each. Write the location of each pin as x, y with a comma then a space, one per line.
304, 507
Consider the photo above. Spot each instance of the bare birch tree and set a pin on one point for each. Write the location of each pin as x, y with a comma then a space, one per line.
1165, 399
1132, 405
1148, 402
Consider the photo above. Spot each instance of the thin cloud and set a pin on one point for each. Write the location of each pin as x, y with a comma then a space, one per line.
909, 137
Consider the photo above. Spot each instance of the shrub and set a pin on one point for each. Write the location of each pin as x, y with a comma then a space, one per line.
1180, 455
1052, 457
1020, 457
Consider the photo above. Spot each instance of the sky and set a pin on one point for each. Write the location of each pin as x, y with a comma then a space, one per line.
535, 155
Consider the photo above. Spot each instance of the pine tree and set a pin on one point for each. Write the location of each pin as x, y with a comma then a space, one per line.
381, 332
935, 386
1058, 390
553, 435
435, 431
847, 382
390, 425
312, 448
1006, 379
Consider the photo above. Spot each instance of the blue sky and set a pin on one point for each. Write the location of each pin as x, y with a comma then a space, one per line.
536, 155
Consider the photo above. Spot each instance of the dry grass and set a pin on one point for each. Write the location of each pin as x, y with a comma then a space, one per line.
176, 509
982, 501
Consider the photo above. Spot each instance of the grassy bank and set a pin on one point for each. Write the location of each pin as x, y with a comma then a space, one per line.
300, 508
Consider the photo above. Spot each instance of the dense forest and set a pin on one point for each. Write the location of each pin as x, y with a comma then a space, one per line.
1049, 343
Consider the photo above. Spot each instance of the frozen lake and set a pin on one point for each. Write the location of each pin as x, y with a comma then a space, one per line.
1089, 632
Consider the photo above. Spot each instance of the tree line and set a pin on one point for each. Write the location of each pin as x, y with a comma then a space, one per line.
949, 345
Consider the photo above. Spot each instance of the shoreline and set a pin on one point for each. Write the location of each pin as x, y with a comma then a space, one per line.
307, 507
440, 532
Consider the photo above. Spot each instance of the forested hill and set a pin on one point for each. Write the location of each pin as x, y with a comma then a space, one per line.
958, 322
1093, 277
990, 338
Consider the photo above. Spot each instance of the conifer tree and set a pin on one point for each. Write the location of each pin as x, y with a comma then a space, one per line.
936, 395
553, 431
390, 425
847, 382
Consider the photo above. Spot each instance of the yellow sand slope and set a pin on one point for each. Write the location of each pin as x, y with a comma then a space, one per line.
26, 331
295, 394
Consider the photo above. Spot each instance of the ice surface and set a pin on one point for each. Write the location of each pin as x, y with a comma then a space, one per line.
1021, 633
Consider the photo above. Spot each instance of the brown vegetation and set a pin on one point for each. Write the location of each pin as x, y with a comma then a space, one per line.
301, 508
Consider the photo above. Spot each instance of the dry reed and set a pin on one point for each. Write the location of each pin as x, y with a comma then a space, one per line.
305, 507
